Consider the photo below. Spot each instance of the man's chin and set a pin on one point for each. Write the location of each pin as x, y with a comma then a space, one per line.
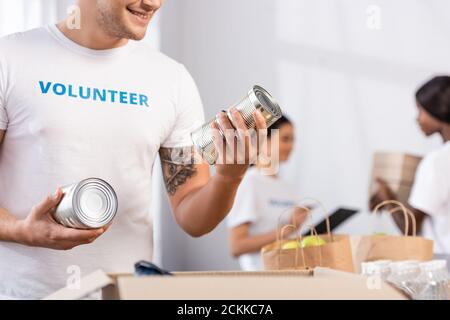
428, 133
135, 33
137, 37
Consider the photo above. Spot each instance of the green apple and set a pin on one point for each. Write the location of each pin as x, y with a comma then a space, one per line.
293, 244
312, 241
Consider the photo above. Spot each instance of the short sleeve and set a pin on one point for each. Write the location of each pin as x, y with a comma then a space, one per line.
430, 188
3, 114
245, 205
190, 114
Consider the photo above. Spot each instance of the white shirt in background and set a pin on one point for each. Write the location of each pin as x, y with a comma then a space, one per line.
260, 201
431, 194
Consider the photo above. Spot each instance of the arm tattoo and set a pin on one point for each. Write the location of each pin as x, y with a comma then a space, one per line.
178, 166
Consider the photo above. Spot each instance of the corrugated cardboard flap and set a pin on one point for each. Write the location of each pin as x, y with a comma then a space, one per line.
93, 282
323, 283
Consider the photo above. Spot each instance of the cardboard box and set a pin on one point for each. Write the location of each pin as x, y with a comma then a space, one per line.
321, 283
398, 170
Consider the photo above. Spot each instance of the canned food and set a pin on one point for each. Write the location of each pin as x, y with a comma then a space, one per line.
89, 204
257, 99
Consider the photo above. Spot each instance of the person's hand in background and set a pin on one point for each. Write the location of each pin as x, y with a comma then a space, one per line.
382, 193
39, 228
298, 217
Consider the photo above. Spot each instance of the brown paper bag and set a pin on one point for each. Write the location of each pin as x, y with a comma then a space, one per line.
335, 254
395, 248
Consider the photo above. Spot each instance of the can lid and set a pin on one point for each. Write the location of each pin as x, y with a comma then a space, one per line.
95, 202
263, 98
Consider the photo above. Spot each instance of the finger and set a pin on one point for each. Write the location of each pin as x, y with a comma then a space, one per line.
260, 122
105, 228
229, 132
224, 122
227, 127
219, 143
244, 145
49, 202
79, 236
261, 129
238, 120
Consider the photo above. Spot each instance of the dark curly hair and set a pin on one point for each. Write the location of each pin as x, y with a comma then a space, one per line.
434, 97
278, 124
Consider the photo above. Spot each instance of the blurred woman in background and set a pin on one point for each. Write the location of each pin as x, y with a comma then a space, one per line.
260, 200
430, 196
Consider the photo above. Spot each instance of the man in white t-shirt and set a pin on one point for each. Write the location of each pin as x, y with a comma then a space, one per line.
92, 102
430, 196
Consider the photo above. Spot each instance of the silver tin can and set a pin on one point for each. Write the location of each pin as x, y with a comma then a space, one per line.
257, 98
88, 204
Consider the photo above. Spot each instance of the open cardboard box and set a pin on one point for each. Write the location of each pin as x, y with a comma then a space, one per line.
320, 283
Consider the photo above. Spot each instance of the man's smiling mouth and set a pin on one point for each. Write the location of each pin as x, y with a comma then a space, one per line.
140, 14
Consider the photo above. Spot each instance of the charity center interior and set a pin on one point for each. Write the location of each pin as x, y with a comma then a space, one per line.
207, 150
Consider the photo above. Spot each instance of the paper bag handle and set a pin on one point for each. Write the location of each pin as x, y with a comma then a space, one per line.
325, 211
308, 212
280, 237
314, 233
298, 235
413, 219
297, 239
401, 207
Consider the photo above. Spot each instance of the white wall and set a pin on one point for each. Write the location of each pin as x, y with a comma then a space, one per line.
348, 87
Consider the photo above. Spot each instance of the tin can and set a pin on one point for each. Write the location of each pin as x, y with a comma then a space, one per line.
256, 99
89, 204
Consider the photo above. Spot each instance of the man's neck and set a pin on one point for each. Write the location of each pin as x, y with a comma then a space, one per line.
446, 133
91, 36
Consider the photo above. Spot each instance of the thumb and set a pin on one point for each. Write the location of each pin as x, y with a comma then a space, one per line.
49, 202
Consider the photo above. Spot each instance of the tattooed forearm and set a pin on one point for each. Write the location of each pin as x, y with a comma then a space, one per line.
178, 166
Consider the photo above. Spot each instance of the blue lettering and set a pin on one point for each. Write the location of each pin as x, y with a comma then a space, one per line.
95, 94
71, 94
88, 93
113, 95
99, 94
62, 90
123, 97
133, 98
143, 100
44, 89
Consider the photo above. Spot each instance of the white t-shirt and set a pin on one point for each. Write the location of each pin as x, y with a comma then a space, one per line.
71, 113
260, 201
431, 194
